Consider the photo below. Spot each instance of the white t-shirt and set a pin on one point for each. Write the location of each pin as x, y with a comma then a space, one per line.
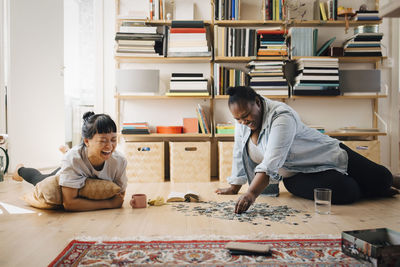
75, 168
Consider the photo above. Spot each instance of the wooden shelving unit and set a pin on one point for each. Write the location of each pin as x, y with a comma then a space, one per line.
222, 59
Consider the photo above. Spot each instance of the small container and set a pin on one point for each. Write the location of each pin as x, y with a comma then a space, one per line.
169, 129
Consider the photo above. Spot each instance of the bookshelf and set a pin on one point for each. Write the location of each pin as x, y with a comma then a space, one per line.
246, 20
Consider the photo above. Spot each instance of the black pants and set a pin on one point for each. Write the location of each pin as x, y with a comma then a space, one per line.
365, 179
34, 176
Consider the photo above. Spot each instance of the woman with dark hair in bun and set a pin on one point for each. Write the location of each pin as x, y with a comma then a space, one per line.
273, 144
95, 157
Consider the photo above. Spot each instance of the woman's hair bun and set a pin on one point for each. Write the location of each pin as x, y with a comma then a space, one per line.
87, 115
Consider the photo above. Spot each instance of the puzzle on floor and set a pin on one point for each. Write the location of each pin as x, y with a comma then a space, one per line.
257, 214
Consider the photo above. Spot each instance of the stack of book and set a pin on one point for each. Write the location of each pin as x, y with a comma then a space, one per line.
366, 44
266, 78
317, 76
203, 122
271, 42
368, 15
135, 128
136, 39
225, 128
225, 77
236, 42
226, 9
188, 39
187, 84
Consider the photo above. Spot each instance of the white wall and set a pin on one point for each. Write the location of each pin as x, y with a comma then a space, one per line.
36, 97
2, 70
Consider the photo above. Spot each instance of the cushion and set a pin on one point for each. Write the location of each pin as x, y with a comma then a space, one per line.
47, 193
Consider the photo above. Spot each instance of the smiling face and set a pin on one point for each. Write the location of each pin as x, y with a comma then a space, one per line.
247, 113
100, 147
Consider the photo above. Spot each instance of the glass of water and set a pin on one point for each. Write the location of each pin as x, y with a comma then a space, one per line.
322, 200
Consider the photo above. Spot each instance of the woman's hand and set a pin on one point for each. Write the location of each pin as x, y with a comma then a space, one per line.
232, 190
244, 202
117, 200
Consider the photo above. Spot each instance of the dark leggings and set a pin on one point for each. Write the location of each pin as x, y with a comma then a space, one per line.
34, 176
365, 179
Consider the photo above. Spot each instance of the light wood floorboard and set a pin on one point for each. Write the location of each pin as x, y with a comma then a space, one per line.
35, 239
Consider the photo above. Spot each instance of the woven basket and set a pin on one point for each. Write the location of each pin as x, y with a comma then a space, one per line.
225, 155
190, 161
369, 149
145, 161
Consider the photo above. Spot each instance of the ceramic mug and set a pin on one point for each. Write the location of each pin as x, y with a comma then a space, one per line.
138, 201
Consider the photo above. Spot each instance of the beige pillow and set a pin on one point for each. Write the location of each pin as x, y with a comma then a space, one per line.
99, 189
47, 193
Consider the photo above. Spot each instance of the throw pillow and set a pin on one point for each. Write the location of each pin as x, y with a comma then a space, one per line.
47, 193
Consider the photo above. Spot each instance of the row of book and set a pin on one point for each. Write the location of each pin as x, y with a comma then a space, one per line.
188, 84
225, 77
236, 42
266, 77
226, 9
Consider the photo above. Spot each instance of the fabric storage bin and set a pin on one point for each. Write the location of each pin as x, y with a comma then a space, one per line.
145, 161
225, 154
369, 149
190, 161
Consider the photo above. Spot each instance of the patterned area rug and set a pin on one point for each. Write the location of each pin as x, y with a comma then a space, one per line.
285, 252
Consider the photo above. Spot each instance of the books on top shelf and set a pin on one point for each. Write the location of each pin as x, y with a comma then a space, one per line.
368, 15
188, 84
236, 42
317, 76
135, 128
187, 37
266, 78
225, 77
363, 44
303, 41
226, 9
271, 42
134, 38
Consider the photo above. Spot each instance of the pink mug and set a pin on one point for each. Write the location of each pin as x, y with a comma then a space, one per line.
138, 201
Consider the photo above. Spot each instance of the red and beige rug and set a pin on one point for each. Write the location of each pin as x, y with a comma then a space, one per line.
285, 252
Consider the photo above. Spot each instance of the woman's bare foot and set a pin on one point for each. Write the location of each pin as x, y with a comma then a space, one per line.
396, 181
16, 176
64, 149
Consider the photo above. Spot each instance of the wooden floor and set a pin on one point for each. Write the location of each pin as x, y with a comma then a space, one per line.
35, 239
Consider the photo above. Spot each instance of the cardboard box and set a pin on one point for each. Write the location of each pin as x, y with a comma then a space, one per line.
379, 246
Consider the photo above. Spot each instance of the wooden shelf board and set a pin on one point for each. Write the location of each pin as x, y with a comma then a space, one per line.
153, 97
352, 59
309, 23
157, 135
341, 97
130, 59
355, 133
153, 22
224, 135
244, 59
268, 96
